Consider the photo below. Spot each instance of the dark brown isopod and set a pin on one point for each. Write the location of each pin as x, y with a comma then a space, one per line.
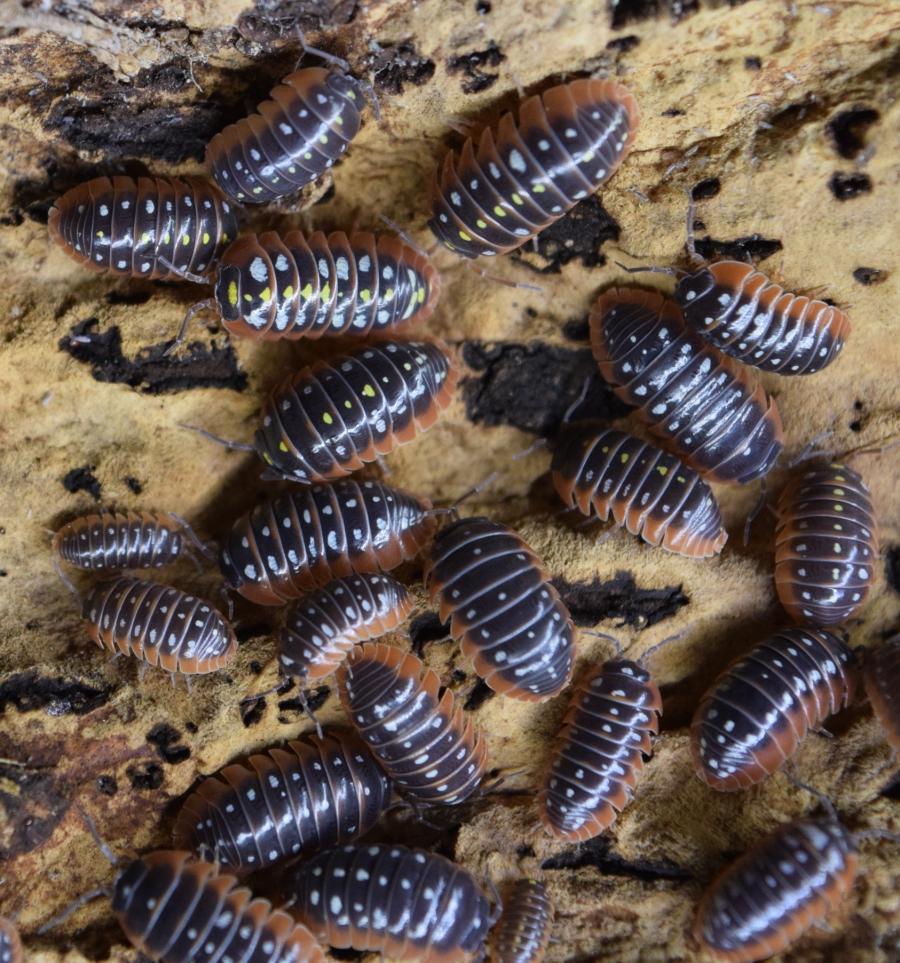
403, 903
421, 737
322, 627
753, 719
881, 674
269, 287
531, 170
711, 410
163, 626
179, 910
300, 541
292, 139
285, 803
607, 731
769, 897
145, 227
508, 618
10, 943
825, 545
119, 540
744, 314
523, 931
335, 416
648, 491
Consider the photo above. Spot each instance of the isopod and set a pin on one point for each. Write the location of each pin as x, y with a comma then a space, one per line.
825, 545
790, 881
608, 729
157, 227
526, 175
881, 673
404, 903
293, 138
289, 545
711, 410
421, 737
508, 618
161, 625
322, 627
10, 943
649, 492
523, 931
756, 714
285, 803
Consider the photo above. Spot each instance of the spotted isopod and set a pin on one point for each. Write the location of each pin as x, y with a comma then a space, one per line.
289, 545
404, 903
421, 737
790, 881
881, 673
648, 491
153, 227
608, 729
508, 618
322, 627
293, 138
523, 931
285, 803
711, 410
10, 943
826, 543
528, 172
160, 625
756, 714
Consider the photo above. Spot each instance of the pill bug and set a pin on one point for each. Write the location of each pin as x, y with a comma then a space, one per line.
791, 880
180, 910
285, 803
421, 737
530, 171
704, 405
881, 673
289, 545
403, 903
608, 729
10, 943
291, 139
523, 931
756, 714
825, 545
118, 540
144, 227
335, 416
269, 287
749, 317
648, 491
322, 627
503, 610
163, 626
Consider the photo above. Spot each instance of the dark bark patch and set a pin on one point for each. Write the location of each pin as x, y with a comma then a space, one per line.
146, 775
397, 65
705, 189
578, 235
599, 854
847, 186
892, 567
632, 11
620, 598
165, 739
847, 130
751, 249
426, 628
28, 691
82, 480
869, 275
471, 65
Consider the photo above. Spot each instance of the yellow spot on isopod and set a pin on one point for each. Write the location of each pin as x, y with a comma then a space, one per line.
839, 478
662, 470
838, 527
185, 240
307, 155
368, 391
348, 404
539, 188
206, 237
339, 121
99, 233
407, 366
327, 419
325, 293
839, 491
589, 156
604, 449
307, 291
366, 295
288, 291
625, 457
265, 295
145, 238
248, 297
282, 446
517, 198
420, 295
167, 237
480, 223
682, 479
498, 210
464, 236
232, 293
267, 458
225, 237
323, 139
838, 508
388, 294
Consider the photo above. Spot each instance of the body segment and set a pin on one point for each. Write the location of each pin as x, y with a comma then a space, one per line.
882, 680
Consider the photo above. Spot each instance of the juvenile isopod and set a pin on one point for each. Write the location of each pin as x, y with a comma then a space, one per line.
754, 717
522, 933
525, 175
10, 943
711, 410
826, 543
421, 736
502, 608
285, 803
404, 903
881, 673
157, 227
160, 625
289, 545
